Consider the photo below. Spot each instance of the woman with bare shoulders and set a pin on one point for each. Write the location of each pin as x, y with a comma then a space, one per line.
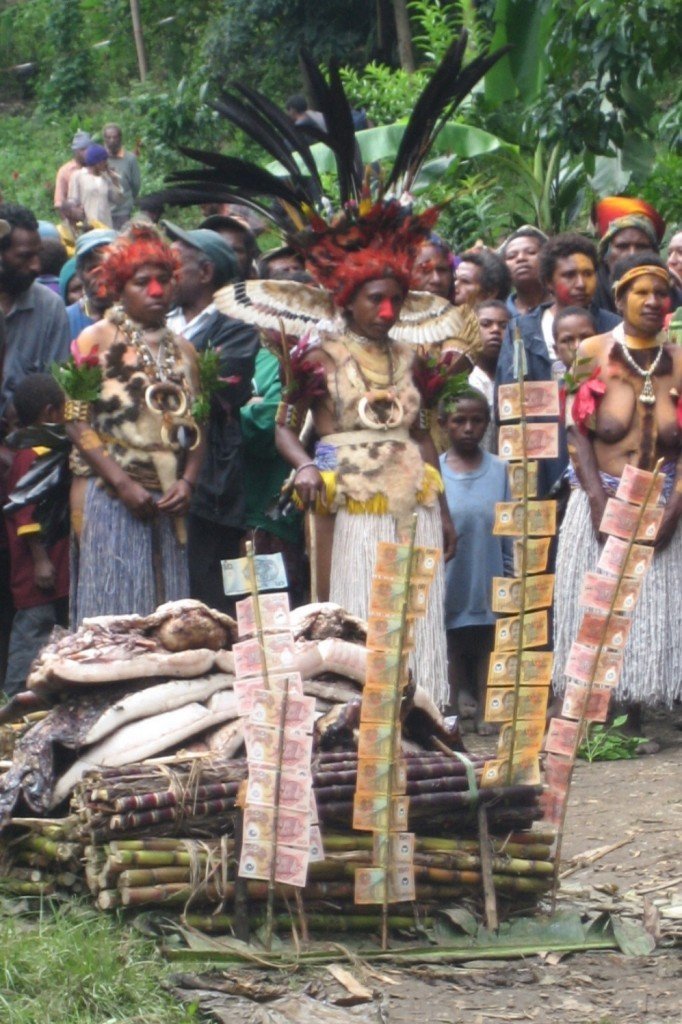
635, 422
138, 447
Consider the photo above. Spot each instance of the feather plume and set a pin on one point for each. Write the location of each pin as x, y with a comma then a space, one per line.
332, 102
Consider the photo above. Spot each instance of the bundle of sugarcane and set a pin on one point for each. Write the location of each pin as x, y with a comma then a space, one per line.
198, 796
187, 796
190, 874
443, 791
40, 858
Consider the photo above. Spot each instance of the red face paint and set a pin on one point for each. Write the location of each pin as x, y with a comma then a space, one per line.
155, 288
386, 310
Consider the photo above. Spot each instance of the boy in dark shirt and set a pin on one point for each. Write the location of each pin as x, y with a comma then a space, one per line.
39, 569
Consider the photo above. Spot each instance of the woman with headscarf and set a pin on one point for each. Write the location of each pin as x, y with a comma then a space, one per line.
636, 421
96, 188
138, 444
626, 226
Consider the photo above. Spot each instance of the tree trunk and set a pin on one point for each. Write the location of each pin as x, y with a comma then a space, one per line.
139, 41
402, 27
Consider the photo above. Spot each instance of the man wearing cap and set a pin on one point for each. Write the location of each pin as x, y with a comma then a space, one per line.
126, 166
95, 188
626, 226
35, 319
216, 519
79, 144
92, 305
241, 240
281, 264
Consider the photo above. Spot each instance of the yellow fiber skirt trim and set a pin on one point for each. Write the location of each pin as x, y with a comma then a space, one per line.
431, 487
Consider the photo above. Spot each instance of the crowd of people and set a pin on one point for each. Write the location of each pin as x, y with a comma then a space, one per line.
166, 481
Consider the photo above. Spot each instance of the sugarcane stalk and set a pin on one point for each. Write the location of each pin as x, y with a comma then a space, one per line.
17, 887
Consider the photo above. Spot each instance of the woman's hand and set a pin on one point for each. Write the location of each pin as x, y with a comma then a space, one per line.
308, 483
669, 523
136, 498
597, 505
449, 538
176, 500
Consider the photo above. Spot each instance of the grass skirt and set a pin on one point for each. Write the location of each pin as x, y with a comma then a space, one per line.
353, 556
652, 668
112, 570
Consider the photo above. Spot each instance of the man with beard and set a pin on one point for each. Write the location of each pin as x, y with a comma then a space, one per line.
216, 519
35, 319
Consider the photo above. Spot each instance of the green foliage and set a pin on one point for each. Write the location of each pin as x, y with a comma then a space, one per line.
71, 965
70, 73
609, 743
387, 94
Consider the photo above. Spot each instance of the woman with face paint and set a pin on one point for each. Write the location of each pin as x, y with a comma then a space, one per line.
636, 421
139, 449
375, 463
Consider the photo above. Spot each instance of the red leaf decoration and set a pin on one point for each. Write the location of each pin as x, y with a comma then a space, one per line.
586, 399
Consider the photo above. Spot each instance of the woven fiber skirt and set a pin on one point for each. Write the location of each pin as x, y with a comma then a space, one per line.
353, 555
652, 667
113, 565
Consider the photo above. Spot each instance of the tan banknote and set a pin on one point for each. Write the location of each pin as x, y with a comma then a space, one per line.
542, 441
540, 398
510, 519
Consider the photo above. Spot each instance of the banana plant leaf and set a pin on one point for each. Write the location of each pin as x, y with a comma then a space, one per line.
382, 142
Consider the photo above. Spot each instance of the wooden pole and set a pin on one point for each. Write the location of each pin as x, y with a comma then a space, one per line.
139, 40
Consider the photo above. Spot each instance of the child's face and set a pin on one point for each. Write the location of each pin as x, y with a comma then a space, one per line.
569, 333
466, 424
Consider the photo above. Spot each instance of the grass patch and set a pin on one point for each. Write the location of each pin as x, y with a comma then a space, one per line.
69, 964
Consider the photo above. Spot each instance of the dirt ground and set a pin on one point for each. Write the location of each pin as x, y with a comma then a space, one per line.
622, 854
638, 805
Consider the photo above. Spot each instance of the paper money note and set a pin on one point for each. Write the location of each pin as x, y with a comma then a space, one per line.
387, 596
378, 705
638, 486
527, 737
575, 702
293, 827
382, 667
315, 845
602, 592
270, 574
537, 554
615, 554
536, 668
373, 813
506, 596
393, 848
389, 633
552, 803
278, 649
267, 710
622, 520
393, 560
294, 792
374, 776
509, 518
245, 690
373, 885
534, 631
499, 703
375, 741
558, 772
584, 665
274, 612
263, 744
542, 441
291, 864
525, 771
540, 398
515, 470
597, 629
562, 737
